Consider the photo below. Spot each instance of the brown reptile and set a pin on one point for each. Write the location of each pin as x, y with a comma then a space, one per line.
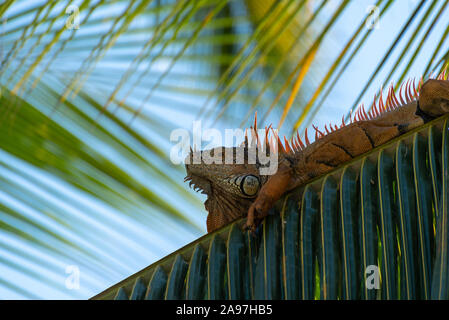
234, 190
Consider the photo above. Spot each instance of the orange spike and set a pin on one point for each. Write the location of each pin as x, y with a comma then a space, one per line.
306, 138
381, 99
370, 114
365, 116
375, 110
392, 103
343, 121
357, 115
294, 144
382, 106
407, 97
279, 143
409, 91
318, 130
299, 140
395, 98
374, 106
266, 138
255, 121
255, 133
400, 95
287, 146
421, 82
415, 92
389, 100
298, 146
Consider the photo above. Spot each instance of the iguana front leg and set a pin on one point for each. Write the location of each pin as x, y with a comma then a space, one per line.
270, 192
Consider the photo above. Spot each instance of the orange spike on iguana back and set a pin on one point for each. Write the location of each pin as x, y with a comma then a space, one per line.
421, 82
267, 142
411, 91
255, 121
394, 99
300, 141
409, 95
362, 108
355, 117
318, 133
415, 92
382, 106
306, 138
400, 94
407, 98
388, 101
280, 147
287, 146
374, 105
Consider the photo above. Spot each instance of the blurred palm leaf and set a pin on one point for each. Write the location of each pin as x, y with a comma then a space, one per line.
86, 113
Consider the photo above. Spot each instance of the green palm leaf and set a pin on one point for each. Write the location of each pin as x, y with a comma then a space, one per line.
86, 114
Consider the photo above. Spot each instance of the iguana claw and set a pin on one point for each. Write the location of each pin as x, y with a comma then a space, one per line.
250, 220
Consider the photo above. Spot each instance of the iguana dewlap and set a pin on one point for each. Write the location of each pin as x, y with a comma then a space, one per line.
234, 190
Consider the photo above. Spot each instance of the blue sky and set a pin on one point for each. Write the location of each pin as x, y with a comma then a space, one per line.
148, 244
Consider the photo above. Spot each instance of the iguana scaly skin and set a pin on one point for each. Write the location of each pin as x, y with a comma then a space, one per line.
235, 190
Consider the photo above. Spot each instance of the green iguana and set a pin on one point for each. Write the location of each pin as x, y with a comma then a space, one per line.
234, 190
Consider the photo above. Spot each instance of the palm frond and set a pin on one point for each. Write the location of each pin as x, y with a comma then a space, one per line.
86, 113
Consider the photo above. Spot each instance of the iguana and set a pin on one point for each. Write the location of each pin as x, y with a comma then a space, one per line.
234, 190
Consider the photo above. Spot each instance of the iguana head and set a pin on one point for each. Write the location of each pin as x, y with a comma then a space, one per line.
232, 177
230, 187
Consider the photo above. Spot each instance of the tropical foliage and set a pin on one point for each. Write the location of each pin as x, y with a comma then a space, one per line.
91, 89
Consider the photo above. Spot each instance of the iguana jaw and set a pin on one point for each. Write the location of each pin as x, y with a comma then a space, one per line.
198, 183
230, 188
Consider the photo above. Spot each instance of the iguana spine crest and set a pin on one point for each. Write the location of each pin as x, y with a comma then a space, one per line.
408, 92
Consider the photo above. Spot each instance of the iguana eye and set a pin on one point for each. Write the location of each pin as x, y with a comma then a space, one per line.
249, 185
